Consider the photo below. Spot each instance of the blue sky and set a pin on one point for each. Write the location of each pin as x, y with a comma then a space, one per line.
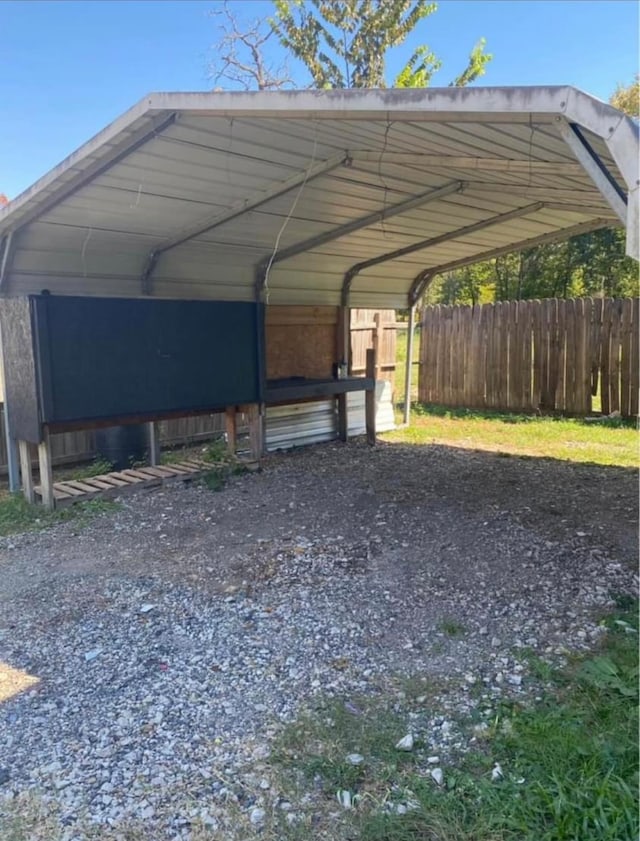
69, 68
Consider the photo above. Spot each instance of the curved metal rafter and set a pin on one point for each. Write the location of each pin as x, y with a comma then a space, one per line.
209, 223
502, 218
353, 226
426, 276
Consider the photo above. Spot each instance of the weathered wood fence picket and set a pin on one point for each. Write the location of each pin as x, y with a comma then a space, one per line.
552, 355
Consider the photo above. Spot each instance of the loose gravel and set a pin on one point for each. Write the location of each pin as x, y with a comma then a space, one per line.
172, 639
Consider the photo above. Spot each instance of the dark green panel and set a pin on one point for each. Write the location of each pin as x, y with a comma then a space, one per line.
103, 358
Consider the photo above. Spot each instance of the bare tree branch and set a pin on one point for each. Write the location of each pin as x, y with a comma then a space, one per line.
239, 55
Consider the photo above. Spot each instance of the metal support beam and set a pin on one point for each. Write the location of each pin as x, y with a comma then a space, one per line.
585, 210
508, 165
594, 167
366, 221
424, 278
409, 368
212, 221
433, 241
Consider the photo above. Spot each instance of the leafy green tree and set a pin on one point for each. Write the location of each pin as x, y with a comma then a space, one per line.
627, 98
344, 43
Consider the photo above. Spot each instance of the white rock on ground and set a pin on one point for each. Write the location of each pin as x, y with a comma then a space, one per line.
405, 743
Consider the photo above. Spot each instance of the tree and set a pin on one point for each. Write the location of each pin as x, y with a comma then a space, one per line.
241, 56
344, 43
627, 98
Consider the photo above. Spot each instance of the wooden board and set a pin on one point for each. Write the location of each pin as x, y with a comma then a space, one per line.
300, 341
108, 485
20, 366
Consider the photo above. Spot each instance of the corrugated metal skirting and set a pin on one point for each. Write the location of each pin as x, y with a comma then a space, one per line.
313, 423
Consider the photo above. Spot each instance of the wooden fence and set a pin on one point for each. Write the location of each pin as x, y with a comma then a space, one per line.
374, 329
551, 355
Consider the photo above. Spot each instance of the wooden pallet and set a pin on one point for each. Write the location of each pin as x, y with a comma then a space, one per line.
123, 481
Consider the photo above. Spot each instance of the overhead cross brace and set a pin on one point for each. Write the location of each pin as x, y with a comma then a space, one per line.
515, 166
359, 224
424, 278
209, 223
431, 242
594, 167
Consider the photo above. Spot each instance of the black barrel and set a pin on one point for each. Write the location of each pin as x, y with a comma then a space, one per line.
122, 446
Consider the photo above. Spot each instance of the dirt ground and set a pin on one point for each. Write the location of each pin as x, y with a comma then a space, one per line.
392, 496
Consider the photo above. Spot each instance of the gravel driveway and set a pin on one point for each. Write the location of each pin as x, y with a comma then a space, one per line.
172, 638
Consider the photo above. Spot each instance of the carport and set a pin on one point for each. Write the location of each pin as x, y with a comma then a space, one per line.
315, 199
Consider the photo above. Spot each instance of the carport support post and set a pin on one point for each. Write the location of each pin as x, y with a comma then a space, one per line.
343, 334
46, 471
256, 438
24, 449
409, 370
154, 443
370, 398
231, 426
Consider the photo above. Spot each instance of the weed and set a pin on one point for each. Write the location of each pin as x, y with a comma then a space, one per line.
98, 467
452, 628
539, 668
214, 480
223, 466
217, 451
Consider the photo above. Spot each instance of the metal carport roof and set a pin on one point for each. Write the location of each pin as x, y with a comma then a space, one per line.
319, 197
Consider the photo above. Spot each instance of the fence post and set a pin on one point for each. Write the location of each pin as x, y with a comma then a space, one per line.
409, 370
370, 398
377, 340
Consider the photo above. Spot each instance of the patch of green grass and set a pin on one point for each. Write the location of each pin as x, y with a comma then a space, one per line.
569, 762
611, 442
17, 515
452, 628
